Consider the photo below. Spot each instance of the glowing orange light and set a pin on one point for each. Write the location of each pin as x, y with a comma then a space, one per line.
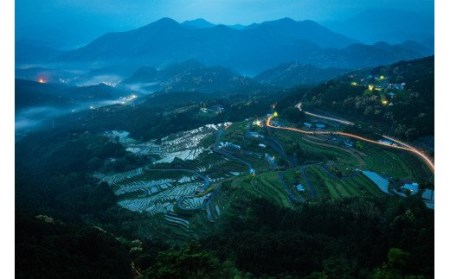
41, 80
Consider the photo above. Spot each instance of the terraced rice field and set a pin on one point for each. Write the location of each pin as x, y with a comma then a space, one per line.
162, 190
186, 145
182, 209
395, 163
192, 202
357, 185
178, 222
138, 190
119, 177
160, 202
145, 187
265, 185
176, 197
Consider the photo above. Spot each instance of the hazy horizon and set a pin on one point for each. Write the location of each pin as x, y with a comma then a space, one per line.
69, 24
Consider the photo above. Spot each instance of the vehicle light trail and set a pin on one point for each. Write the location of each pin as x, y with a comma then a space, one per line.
398, 141
404, 146
345, 122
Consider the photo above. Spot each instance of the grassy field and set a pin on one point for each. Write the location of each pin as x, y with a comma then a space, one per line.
236, 129
265, 185
356, 185
269, 184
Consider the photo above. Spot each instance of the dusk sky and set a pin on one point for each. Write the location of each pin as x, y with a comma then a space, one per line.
73, 22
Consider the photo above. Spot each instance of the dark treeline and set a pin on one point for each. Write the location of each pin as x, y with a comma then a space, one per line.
47, 248
350, 238
347, 238
165, 113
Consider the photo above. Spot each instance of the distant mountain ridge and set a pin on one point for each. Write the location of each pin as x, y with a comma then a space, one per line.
198, 23
251, 49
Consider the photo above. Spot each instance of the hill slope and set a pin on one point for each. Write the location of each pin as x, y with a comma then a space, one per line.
191, 76
33, 94
396, 99
293, 74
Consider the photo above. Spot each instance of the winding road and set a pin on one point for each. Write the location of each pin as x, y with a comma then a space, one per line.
401, 145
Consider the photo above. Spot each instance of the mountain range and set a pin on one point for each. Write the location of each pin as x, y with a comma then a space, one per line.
249, 50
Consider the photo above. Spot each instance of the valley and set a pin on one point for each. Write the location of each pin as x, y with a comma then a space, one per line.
276, 149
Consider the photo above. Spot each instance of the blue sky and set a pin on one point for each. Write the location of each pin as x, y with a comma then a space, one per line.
72, 22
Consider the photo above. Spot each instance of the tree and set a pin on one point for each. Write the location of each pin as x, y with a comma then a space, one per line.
393, 269
359, 145
397, 258
189, 262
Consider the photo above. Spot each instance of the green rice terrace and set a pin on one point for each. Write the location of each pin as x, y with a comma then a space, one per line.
194, 176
